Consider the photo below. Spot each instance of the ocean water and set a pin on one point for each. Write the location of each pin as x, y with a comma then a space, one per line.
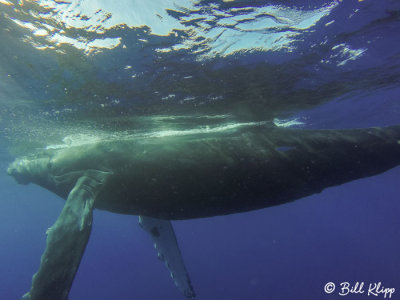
78, 71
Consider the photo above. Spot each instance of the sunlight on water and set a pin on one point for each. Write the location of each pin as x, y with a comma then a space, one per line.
203, 130
346, 54
288, 122
75, 140
222, 31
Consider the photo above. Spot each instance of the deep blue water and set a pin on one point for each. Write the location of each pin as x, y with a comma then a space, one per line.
324, 64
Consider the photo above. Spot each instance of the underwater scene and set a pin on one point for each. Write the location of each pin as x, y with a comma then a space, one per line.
206, 149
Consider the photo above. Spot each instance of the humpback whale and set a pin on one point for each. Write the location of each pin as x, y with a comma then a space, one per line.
167, 176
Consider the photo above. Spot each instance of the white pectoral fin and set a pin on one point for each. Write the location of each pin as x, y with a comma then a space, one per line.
163, 236
66, 241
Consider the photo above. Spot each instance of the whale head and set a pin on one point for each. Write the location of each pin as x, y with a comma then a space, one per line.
56, 170
30, 169
41, 170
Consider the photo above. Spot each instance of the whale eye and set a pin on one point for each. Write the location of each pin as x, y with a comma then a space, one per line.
49, 165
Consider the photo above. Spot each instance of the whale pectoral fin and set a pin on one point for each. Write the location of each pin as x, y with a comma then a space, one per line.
164, 239
66, 241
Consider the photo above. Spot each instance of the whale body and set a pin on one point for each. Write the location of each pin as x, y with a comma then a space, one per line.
190, 174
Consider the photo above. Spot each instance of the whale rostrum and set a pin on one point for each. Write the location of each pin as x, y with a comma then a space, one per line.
189, 174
